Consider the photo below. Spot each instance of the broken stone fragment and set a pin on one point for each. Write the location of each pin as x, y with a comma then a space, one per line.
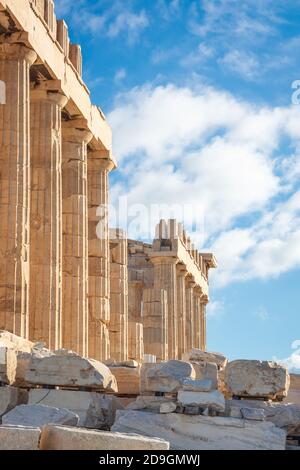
167, 377
19, 438
95, 410
253, 413
8, 364
68, 369
10, 346
39, 415
130, 363
15, 342
168, 407
128, 379
149, 402
202, 432
67, 438
10, 397
197, 355
257, 379
283, 415
206, 371
212, 400
191, 385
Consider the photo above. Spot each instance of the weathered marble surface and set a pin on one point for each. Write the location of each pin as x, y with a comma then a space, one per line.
39, 415
201, 432
67, 438
67, 369
168, 376
257, 379
19, 438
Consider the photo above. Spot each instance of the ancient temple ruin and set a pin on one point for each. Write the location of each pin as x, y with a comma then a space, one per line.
66, 279
168, 292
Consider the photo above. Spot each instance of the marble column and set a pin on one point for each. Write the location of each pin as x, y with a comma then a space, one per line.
197, 318
15, 62
99, 166
165, 278
204, 302
47, 102
155, 323
190, 284
181, 309
118, 325
75, 236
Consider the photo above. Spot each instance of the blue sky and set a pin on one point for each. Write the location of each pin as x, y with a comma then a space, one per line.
198, 94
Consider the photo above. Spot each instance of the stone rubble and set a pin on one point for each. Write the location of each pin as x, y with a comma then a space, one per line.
191, 385
283, 415
198, 355
10, 397
214, 401
256, 379
202, 432
128, 378
66, 390
67, 438
95, 410
168, 407
68, 369
39, 415
168, 376
19, 438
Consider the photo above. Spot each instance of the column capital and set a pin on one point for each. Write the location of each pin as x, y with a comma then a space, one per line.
101, 160
167, 260
17, 52
49, 90
76, 130
198, 291
190, 282
181, 270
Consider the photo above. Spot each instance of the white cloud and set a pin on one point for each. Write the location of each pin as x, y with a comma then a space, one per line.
246, 65
203, 147
103, 17
120, 75
293, 361
128, 22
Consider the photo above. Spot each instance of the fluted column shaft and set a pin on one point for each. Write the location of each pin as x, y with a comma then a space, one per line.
204, 302
197, 319
75, 236
46, 214
181, 309
99, 255
189, 313
165, 278
15, 62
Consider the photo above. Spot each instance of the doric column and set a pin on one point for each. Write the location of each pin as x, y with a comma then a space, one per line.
165, 278
99, 166
75, 236
118, 326
197, 318
47, 102
155, 323
135, 295
204, 302
181, 309
15, 62
190, 284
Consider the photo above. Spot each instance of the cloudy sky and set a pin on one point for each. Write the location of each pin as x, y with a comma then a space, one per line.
199, 96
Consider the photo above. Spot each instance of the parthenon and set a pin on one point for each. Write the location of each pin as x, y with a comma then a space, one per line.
66, 278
